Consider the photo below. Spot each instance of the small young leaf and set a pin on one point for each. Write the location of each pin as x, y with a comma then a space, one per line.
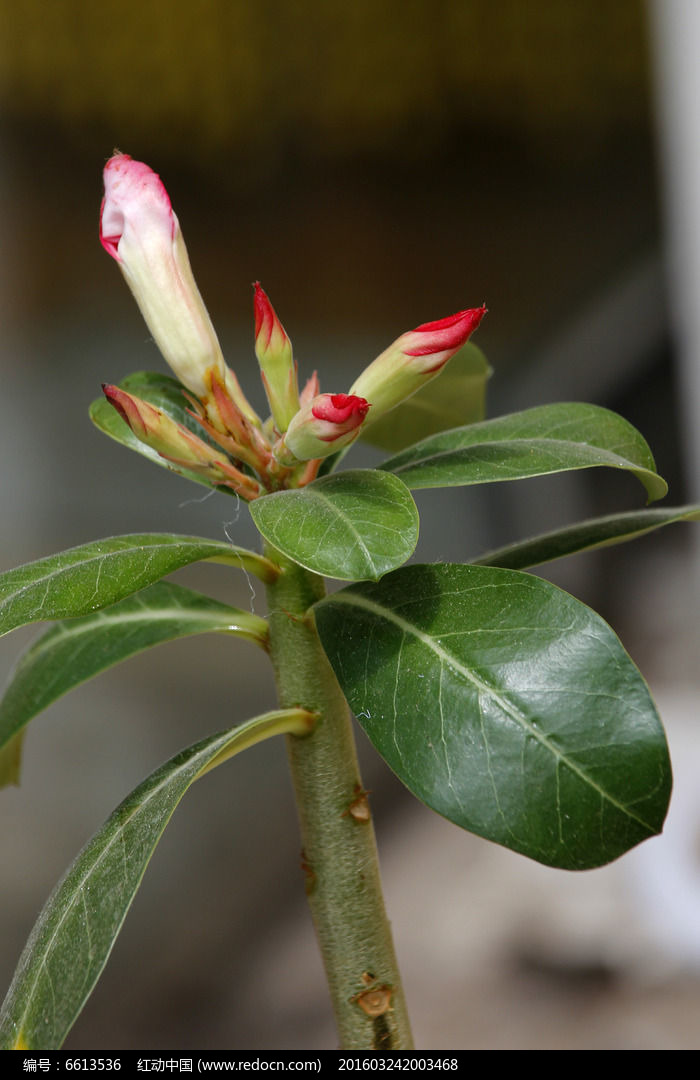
506, 705
165, 393
457, 396
92, 576
75, 932
585, 536
73, 652
547, 439
350, 525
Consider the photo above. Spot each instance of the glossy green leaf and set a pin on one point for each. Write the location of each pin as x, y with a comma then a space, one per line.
74, 651
457, 396
92, 576
75, 932
586, 535
548, 439
506, 705
350, 525
165, 393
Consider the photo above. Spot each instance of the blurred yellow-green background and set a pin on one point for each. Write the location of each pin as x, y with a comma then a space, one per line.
376, 165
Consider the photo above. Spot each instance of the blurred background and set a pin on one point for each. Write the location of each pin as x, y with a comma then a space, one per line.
375, 164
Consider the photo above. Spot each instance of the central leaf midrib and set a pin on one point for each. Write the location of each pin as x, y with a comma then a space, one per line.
146, 614
549, 444
334, 509
221, 742
47, 578
94, 864
483, 687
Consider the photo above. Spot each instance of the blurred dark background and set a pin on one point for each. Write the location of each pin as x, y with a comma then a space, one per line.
375, 165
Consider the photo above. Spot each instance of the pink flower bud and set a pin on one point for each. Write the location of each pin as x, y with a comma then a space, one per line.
139, 229
274, 352
325, 424
158, 430
178, 444
413, 360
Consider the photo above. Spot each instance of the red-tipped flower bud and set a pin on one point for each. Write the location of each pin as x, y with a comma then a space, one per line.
312, 388
413, 360
325, 424
274, 352
176, 443
159, 431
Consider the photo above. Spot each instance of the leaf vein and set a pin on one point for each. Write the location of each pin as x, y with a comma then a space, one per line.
515, 714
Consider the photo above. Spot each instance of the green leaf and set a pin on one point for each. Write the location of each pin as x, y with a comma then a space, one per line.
457, 396
506, 705
586, 535
165, 393
548, 439
92, 576
350, 525
73, 652
75, 932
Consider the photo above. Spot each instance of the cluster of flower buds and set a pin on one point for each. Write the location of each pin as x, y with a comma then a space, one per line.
239, 450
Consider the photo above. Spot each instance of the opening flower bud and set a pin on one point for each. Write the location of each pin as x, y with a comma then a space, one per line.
413, 360
140, 230
327, 423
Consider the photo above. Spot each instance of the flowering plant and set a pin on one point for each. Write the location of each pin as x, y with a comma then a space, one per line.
500, 701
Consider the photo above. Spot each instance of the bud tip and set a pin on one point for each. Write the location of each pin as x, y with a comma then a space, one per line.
346, 409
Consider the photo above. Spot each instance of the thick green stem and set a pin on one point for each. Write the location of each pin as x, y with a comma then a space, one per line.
339, 849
